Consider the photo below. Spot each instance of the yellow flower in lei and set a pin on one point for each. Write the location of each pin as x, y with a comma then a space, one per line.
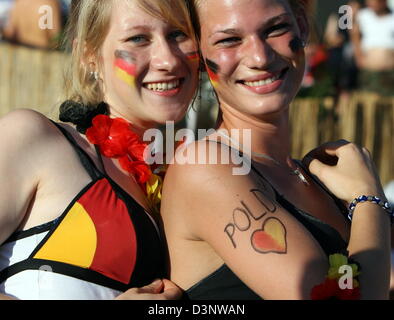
338, 260
154, 188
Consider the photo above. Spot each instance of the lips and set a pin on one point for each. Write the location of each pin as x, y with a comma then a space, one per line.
164, 87
262, 84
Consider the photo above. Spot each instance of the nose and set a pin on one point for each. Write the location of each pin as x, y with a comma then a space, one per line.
164, 56
257, 53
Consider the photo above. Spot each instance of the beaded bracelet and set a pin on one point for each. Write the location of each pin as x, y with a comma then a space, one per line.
384, 204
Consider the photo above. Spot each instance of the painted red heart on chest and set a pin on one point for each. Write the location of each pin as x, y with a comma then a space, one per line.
271, 238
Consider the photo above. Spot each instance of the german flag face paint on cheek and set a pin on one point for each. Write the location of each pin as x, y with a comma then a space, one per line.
213, 72
125, 67
193, 56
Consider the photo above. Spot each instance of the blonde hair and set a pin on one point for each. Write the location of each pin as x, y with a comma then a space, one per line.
86, 31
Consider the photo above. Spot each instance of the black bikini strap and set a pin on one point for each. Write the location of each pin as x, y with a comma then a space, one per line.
85, 159
99, 156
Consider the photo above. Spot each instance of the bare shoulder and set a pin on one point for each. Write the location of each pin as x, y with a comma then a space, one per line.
206, 159
240, 218
27, 135
203, 173
24, 137
22, 126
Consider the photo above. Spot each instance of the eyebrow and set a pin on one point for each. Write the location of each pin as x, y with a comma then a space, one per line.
139, 27
234, 31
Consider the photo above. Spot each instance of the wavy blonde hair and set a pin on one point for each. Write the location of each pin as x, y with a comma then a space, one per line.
87, 29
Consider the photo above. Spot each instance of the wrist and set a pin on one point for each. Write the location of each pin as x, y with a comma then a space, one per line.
372, 200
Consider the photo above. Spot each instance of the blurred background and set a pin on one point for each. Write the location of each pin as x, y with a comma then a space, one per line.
348, 89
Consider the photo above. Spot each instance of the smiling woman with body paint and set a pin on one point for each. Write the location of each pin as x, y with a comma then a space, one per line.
268, 234
74, 220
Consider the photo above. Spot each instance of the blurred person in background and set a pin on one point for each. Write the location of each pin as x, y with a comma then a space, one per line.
341, 60
373, 39
34, 23
5, 6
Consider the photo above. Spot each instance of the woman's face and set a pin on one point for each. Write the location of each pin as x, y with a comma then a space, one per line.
253, 53
149, 67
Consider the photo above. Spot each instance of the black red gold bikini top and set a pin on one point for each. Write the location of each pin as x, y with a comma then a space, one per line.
104, 236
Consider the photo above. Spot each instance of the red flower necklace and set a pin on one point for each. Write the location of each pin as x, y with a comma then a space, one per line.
116, 139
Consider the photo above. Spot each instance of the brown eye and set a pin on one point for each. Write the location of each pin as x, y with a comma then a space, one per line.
278, 29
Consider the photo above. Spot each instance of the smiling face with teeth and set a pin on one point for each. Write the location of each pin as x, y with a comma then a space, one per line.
149, 67
256, 48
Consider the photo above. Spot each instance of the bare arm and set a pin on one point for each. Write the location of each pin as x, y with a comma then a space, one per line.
20, 138
332, 37
370, 240
263, 244
241, 221
9, 30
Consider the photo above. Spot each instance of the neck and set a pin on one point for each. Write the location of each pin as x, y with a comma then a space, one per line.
269, 135
139, 126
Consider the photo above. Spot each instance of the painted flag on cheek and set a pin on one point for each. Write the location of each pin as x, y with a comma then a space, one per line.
213, 71
125, 71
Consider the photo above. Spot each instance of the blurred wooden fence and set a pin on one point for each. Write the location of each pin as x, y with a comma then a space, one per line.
31, 78
34, 79
365, 118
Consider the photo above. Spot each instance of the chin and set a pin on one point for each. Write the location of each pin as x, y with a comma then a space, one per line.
176, 116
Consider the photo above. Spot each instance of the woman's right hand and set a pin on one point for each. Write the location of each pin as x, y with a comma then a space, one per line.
345, 169
157, 290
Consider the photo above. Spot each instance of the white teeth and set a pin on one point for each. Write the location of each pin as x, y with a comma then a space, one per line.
261, 82
163, 86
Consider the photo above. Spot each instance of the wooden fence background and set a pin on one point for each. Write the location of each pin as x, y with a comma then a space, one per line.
33, 79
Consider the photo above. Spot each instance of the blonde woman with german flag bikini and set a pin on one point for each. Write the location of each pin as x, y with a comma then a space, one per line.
280, 231
76, 197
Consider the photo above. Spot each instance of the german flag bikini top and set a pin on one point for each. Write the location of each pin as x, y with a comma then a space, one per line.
104, 237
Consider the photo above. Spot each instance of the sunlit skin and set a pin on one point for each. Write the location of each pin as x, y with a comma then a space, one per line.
249, 44
245, 41
149, 51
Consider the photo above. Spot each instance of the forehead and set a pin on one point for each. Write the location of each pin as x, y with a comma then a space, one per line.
126, 13
230, 10
219, 14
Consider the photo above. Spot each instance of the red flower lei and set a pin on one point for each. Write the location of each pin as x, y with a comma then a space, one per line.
116, 139
330, 290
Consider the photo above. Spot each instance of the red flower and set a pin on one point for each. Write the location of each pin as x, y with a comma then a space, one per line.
139, 169
325, 291
116, 140
136, 151
113, 136
330, 289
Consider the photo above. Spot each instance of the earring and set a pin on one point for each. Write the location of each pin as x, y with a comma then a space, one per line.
94, 75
